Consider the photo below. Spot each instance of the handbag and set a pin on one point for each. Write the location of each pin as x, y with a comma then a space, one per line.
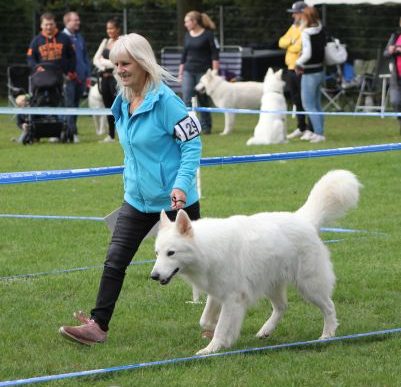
335, 53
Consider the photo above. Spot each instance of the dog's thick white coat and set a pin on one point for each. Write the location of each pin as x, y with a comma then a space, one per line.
271, 128
95, 101
240, 259
233, 95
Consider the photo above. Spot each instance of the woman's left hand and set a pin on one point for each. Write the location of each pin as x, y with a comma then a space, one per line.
178, 199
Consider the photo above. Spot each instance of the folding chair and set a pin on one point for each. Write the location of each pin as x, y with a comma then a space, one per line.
17, 81
373, 91
332, 89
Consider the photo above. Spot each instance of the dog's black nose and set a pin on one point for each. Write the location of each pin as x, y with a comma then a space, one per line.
155, 276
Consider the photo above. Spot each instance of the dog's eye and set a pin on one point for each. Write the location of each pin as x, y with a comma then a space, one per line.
170, 253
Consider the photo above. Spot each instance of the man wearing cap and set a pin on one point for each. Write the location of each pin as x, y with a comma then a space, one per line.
291, 42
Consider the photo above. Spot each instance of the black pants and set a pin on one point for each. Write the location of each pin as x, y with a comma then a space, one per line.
108, 87
294, 87
131, 228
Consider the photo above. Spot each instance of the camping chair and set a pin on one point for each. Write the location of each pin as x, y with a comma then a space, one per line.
332, 89
374, 87
17, 81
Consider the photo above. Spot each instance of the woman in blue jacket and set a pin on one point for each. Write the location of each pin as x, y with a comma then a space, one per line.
162, 150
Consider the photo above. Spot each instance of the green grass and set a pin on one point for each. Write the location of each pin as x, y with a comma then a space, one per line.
153, 322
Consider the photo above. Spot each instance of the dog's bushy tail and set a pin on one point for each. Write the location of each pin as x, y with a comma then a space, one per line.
331, 197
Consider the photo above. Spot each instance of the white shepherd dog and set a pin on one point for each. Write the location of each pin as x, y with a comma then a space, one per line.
233, 95
241, 259
271, 128
95, 101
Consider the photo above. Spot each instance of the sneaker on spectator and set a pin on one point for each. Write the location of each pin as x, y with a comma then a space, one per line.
107, 139
89, 333
53, 139
317, 138
295, 134
307, 135
75, 139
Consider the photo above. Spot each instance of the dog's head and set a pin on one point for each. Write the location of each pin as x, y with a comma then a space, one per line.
207, 81
273, 82
173, 247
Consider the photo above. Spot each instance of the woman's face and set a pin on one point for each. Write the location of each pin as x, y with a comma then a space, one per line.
112, 31
130, 72
189, 23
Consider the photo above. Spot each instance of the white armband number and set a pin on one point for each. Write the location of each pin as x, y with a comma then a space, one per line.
188, 128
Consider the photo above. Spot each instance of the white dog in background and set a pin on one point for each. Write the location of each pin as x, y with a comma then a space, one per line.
271, 128
95, 101
241, 259
234, 95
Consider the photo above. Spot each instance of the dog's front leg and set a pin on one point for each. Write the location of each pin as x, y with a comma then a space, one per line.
228, 327
229, 120
210, 317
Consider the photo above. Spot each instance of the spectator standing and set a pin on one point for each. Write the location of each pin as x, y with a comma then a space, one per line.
162, 150
200, 53
291, 42
393, 52
52, 46
310, 65
107, 82
75, 88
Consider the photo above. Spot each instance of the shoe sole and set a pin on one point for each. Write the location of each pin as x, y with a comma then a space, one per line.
74, 339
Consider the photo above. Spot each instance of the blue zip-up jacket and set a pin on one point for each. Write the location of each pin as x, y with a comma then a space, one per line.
82, 66
155, 160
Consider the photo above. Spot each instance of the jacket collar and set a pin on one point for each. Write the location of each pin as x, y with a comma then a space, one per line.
121, 105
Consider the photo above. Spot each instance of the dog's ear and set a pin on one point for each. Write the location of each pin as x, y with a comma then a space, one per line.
279, 73
164, 220
183, 224
270, 71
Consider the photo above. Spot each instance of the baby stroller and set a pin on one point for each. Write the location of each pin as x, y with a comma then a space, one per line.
46, 87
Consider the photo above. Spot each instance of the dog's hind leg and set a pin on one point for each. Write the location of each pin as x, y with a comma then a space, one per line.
278, 299
229, 120
210, 316
228, 327
321, 298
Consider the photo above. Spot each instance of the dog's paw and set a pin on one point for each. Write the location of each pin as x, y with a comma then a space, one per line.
213, 347
263, 333
224, 133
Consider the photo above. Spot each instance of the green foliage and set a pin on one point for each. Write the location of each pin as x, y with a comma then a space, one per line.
152, 322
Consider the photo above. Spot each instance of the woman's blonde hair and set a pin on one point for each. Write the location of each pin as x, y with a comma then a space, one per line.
202, 19
138, 48
311, 16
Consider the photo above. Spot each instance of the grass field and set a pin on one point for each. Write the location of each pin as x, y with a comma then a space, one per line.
152, 322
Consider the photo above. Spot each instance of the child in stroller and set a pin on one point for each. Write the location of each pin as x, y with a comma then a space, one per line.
46, 85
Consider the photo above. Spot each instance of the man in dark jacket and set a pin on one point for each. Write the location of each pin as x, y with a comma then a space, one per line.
52, 46
74, 88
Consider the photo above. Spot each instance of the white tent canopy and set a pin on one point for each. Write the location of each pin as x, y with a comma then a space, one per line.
373, 2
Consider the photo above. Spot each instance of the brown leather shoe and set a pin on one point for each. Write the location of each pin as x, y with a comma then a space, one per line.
89, 333
81, 317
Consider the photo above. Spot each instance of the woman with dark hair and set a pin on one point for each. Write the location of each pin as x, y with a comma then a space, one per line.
310, 64
107, 82
200, 54
393, 52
